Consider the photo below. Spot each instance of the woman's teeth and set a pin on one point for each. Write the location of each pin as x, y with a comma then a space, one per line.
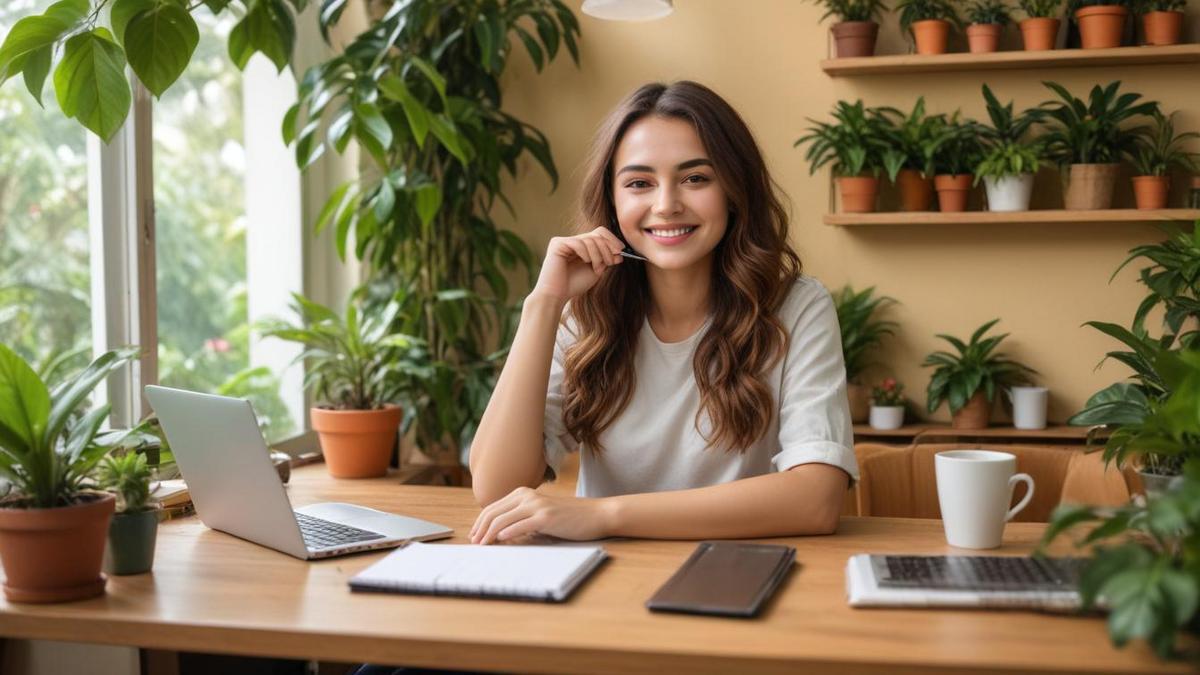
672, 233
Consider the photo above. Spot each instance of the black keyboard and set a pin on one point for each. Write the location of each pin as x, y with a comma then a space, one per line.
977, 573
320, 533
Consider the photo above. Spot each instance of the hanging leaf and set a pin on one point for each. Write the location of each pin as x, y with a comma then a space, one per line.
372, 130
37, 67
331, 11
159, 44
123, 12
37, 32
416, 113
90, 82
429, 200
267, 28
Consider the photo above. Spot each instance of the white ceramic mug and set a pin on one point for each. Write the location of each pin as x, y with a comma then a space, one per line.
1029, 406
975, 488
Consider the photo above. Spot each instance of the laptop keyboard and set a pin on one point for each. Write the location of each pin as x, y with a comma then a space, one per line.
319, 533
981, 573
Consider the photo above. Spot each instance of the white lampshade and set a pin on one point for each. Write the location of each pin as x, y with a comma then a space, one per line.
628, 10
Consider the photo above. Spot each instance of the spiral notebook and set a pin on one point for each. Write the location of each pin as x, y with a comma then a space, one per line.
543, 573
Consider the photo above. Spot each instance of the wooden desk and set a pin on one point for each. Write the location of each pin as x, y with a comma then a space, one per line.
212, 592
931, 432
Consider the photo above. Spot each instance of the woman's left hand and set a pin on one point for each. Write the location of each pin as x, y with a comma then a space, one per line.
525, 511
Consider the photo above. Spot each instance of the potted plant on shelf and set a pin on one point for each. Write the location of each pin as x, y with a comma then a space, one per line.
959, 151
986, 20
1153, 156
856, 146
1162, 21
1008, 161
1039, 30
357, 371
928, 22
52, 522
967, 380
861, 331
1089, 138
887, 405
134, 527
1101, 22
916, 137
856, 30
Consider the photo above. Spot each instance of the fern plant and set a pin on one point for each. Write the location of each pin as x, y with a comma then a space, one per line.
855, 143
851, 10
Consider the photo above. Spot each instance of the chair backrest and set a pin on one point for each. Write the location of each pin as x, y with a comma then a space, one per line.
901, 482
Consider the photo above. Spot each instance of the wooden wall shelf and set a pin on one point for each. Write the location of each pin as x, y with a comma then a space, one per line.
1046, 217
1055, 58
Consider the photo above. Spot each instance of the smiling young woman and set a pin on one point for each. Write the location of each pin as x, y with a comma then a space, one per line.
704, 384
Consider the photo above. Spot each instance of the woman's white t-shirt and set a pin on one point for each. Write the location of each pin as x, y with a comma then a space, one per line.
653, 444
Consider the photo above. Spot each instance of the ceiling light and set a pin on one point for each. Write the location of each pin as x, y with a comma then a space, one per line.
628, 10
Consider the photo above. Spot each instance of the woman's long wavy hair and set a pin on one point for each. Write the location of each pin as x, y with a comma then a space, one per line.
754, 267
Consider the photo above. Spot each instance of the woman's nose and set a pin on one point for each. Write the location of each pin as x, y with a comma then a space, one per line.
667, 202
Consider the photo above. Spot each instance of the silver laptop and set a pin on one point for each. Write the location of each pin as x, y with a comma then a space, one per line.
226, 465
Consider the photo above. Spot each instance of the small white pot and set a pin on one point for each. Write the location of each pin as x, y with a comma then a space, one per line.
885, 417
1029, 407
1009, 193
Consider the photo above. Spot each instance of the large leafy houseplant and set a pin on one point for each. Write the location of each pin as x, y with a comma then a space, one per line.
420, 91
357, 370
1144, 562
970, 375
52, 521
917, 137
856, 146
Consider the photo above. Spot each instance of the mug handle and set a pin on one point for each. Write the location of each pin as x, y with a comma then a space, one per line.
1012, 482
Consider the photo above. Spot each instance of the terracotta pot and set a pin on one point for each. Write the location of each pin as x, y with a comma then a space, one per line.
1101, 26
858, 193
54, 555
1162, 28
916, 191
860, 402
983, 37
1090, 186
854, 38
953, 191
357, 443
1039, 33
975, 414
931, 35
1150, 192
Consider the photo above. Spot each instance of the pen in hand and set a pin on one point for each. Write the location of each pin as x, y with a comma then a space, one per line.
627, 254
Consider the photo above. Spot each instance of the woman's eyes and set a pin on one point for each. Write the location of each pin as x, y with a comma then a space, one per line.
636, 184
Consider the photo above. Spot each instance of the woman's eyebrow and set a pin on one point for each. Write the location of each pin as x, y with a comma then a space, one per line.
699, 161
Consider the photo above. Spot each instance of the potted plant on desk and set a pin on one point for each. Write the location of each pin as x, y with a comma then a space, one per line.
1008, 161
134, 527
1089, 137
928, 22
986, 20
357, 371
1153, 156
887, 405
967, 380
1150, 580
1162, 21
1039, 30
52, 523
856, 146
855, 32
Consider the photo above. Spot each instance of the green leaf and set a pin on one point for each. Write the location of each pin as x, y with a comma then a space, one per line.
159, 44
372, 130
24, 403
288, 127
416, 113
90, 82
37, 67
267, 28
429, 200
123, 12
448, 135
32, 33
435, 78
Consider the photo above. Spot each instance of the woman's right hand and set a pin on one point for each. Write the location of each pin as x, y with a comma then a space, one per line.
575, 264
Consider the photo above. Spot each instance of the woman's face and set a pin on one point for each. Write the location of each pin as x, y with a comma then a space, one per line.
669, 203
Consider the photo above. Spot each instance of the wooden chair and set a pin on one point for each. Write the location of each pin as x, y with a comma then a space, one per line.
901, 482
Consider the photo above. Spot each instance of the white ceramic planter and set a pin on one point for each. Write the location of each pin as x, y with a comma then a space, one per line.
1010, 193
1029, 407
886, 417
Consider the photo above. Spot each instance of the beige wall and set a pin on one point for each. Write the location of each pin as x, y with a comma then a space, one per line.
762, 55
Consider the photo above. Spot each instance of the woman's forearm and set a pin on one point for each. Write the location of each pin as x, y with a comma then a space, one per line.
507, 451
805, 500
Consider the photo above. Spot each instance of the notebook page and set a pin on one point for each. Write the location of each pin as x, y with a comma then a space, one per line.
527, 571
